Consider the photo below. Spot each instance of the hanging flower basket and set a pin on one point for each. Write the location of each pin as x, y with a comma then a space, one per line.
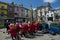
2, 14
16, 13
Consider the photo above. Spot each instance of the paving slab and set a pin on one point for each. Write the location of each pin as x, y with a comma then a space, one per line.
5, 36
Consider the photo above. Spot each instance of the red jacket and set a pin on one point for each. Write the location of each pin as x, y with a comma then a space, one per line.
36, 26
17, 27
24, 28
13, 32
31, 28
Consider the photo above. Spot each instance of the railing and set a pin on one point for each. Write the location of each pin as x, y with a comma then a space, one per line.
3, 9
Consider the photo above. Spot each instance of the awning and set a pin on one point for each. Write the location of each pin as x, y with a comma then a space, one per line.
15, 12
21, 17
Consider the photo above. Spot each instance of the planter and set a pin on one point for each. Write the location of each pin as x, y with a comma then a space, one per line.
45, 27
52, 32
55, 29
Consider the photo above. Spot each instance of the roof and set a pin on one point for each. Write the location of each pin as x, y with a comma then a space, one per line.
24, 8
3, 3
11, 5
41, 7
55, 9
44, 6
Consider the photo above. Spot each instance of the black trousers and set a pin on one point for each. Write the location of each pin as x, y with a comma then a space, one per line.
7, 30
23, 34
13, 37
16, 37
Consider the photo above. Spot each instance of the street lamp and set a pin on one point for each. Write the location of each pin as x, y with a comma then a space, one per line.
31, 11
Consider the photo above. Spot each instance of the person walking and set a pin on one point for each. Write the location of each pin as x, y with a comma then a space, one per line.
24, 28
36, 24
49, 23
13, 31
31, 28
7, 25
17, 27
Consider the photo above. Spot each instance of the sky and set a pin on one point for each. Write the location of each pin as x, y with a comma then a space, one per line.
35, 3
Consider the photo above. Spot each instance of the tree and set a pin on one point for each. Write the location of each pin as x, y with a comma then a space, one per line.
27, 15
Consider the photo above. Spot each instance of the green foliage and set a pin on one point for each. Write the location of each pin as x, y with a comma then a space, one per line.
55, 24
43, 22
1, 24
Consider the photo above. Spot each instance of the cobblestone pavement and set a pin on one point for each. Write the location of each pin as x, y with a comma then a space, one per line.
4, 36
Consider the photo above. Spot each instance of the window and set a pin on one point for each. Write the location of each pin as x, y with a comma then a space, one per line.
38, 11
45, 12
2, 7
51, 14
22, 9
2, 13
47, 15
50, 18
41, 13
10, 9
17, 9
46, 8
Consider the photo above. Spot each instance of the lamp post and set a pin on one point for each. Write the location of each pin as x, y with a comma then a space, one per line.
31, 11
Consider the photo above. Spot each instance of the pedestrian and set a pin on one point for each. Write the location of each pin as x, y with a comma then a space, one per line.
17, 27
29, 23
24, 28
59, 20
36, 24
12, 31
31, 28
49, 23
7, 25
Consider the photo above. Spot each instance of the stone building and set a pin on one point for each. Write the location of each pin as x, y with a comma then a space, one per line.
11, 10
57, 13
21, 12
3, 12
41, 11
50, 16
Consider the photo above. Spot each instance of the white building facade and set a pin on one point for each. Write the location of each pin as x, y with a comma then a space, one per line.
42, 11
50, 16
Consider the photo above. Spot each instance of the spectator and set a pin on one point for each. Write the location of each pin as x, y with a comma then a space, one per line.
7, 25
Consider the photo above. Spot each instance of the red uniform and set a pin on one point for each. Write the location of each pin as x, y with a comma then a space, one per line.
36, 26
13, 32
17, 27
24, 28
31, 28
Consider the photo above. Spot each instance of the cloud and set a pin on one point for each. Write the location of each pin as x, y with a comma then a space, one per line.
34, 8
51, 1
